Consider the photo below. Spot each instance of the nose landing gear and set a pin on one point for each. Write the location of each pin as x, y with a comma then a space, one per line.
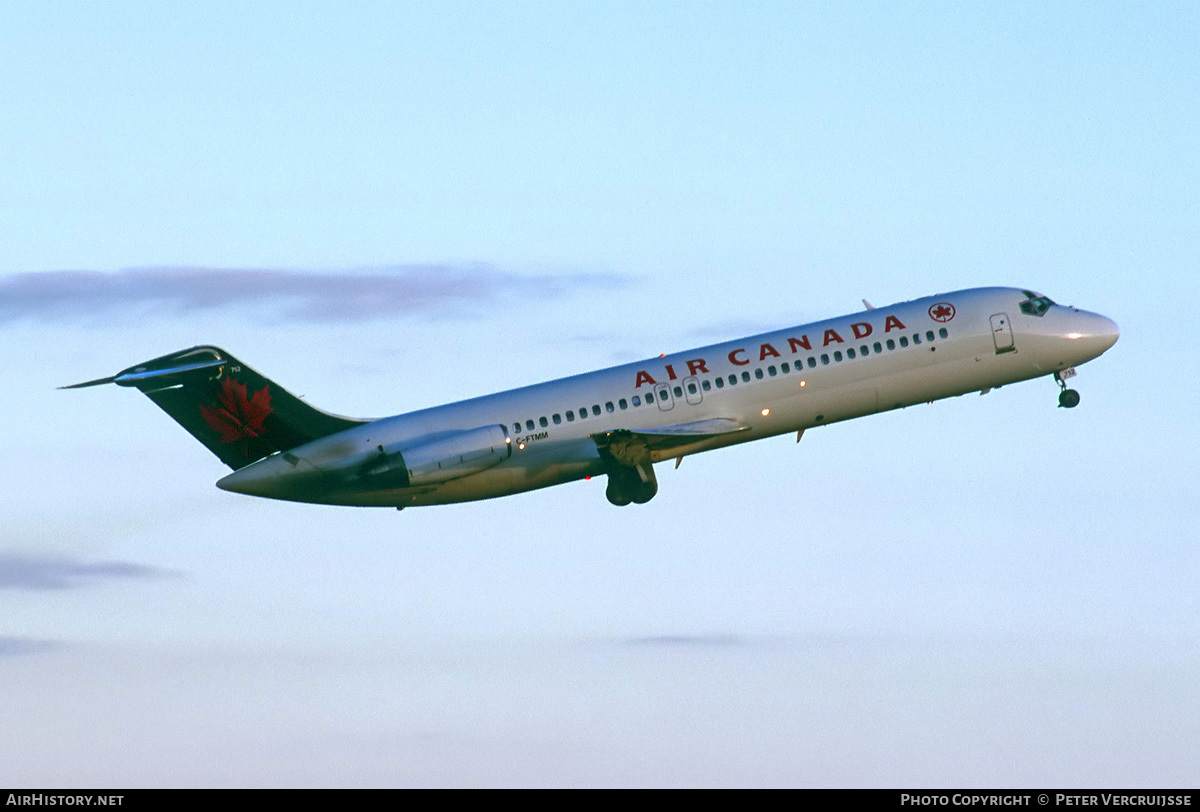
1067, 398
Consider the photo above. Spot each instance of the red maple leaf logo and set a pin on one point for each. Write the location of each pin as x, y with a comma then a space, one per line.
238, 417
942, 311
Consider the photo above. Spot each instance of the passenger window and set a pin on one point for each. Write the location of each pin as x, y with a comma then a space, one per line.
596, 409
943, 333
678, 391
570, 416
824, 358
812, 363
891, 343
557, 419
529, 425
916, 338
929, 335
771, 371
746, 377
622, 404
583, 413
785, 368
517, 427
864, 350
733, 380
649, 397
543, 422
706, 386
903, 341
609, 407
758, 373
837, 355
878, 347
850, 353
720, 383
691, 388
637, 401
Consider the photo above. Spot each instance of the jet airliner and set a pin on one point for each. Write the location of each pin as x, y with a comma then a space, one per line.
619, 422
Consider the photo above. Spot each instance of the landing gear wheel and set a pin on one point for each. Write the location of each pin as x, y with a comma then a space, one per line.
1068, 398
625, 485
643, 492
616, 494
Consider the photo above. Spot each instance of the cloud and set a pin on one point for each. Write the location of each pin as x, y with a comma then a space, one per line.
695, 641
18, 646
30, 571
290, 295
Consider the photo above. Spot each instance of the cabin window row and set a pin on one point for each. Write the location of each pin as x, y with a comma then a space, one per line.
771, 371
571, 415
824, 359
582, 414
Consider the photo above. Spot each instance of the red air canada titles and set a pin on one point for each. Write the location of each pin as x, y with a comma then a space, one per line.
743, 356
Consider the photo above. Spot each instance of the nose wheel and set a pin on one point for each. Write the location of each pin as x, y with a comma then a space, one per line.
1067, 398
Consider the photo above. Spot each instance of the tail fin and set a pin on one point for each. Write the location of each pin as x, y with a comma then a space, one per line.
237, 413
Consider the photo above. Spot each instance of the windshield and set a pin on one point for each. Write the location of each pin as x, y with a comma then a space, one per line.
1035, 304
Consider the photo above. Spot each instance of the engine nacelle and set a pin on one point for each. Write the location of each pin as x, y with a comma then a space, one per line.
450, 457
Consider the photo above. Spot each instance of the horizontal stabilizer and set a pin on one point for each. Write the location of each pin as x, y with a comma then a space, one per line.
143, 378
85, 384
238, 414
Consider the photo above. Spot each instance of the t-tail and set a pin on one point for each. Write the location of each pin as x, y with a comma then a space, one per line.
237, 413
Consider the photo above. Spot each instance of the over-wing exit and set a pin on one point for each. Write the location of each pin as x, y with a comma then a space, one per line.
619, 422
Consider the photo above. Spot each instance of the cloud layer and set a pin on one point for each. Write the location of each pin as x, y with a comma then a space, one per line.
29, 571
18, 646
695, 641
316, 296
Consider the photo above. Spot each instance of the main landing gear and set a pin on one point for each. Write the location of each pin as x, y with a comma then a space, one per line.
625, 484
1067, 398
630, 471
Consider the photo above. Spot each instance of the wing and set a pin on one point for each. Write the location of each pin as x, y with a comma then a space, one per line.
632, 446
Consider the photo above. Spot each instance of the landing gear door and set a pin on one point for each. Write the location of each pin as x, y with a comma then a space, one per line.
662, 394
1002, 333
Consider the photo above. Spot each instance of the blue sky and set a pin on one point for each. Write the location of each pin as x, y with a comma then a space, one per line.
986, 591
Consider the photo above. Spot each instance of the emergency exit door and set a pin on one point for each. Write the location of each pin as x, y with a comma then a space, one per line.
663, 395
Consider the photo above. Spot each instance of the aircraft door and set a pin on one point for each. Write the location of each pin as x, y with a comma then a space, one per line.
1002, 333
662, 395
691, 390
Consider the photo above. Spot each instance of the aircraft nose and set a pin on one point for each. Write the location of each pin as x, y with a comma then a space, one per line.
1108, 331
1095, 331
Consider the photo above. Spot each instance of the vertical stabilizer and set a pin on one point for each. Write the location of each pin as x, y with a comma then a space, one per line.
238, 414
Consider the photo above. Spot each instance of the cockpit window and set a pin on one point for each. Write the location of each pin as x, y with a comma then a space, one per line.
1035, 305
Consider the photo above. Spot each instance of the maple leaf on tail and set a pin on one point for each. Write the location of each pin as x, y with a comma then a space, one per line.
238, 417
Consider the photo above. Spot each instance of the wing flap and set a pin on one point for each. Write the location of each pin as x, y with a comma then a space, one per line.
662, 437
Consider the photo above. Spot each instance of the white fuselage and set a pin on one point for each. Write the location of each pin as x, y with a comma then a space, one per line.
775, 383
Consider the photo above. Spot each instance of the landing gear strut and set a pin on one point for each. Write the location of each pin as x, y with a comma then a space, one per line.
1067, 398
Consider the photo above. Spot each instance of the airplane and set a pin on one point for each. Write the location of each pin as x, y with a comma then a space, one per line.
619, 422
